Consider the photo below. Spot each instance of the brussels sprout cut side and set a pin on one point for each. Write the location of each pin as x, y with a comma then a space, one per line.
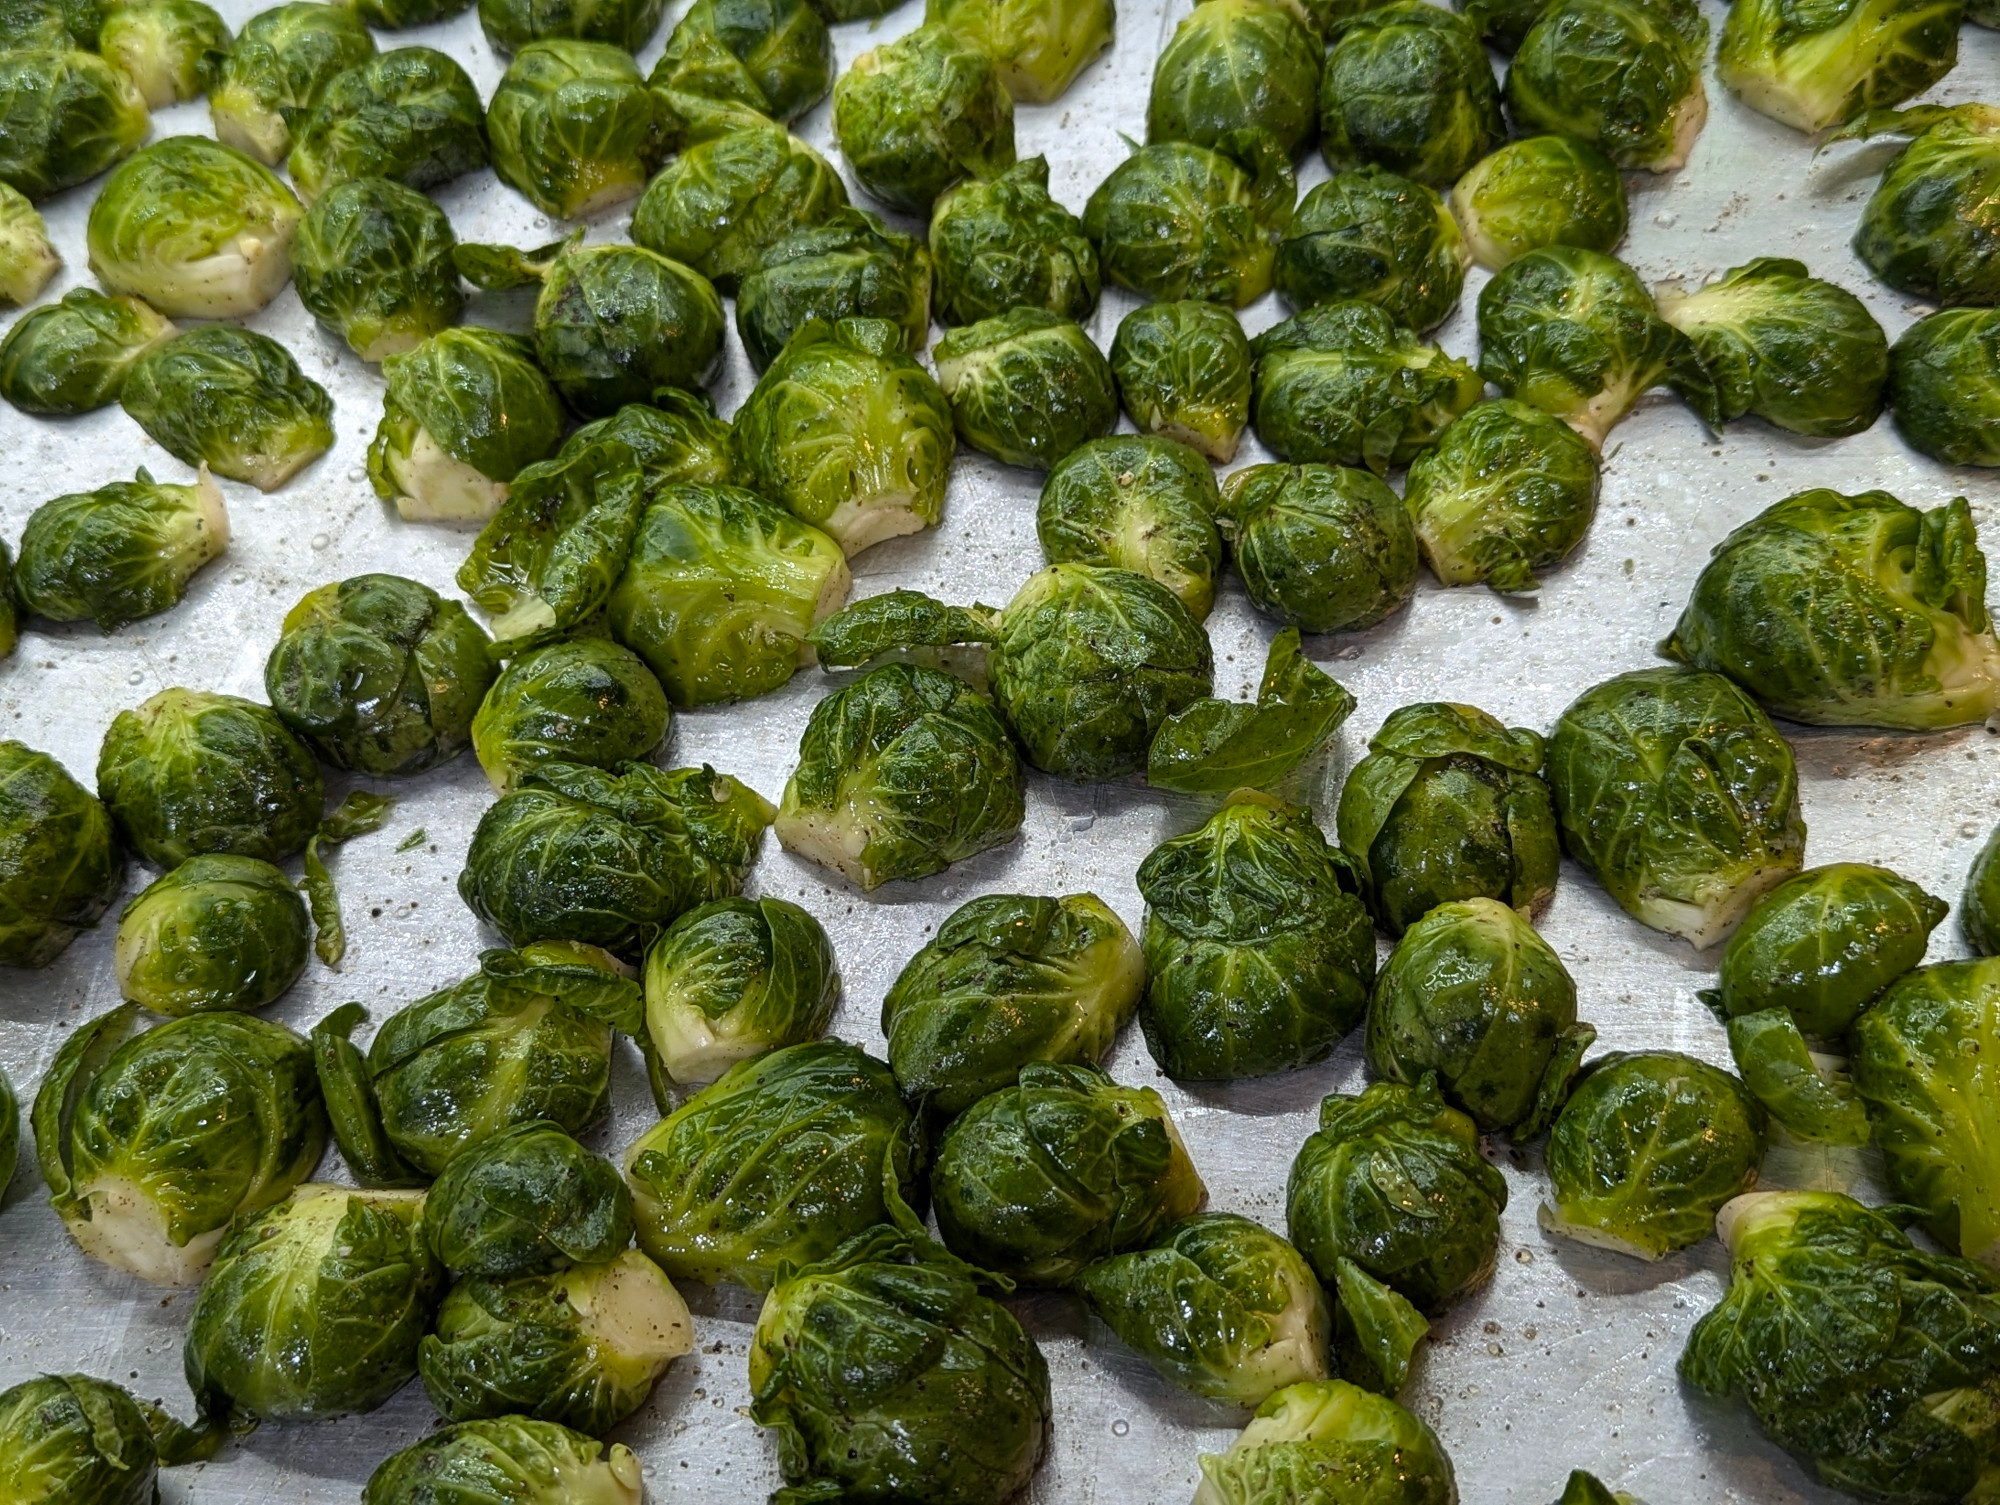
508, 1457
160, 45
1141, 504
120, 553
373, 262
60, 861
1538, 192
1175, 220
1184, 372
1932, 227
573, 127
1826, 67
69, 114
581, 700
1217, 746
1026, 387
1329, 1429
1944, 386
1322, 548
410, 114
27, 260
232, 401
1002, 243
1622, 75
268, 81
849, 267
68, 1437
217, 932
915, 115
1038, 46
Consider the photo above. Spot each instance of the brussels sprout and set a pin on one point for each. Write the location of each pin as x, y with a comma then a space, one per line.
410, 114
59, 859
901, 774
512, 24
774, 1164
1503, 24
722, 203
10, 611
1825, 66
1215, 746
161, 46
27, 260
1849, 611
231, 400
1183, 371
1317, 1436
394, 15
195, 228
1038, 46
1323, 548
1175, 220
372, 262
1003, 243
1343, 384
677, 440
1407, 86
275, 71
1573, 332
849, 267
915, 115
1258, 951
1026, 387
1622, 75
37, 24
119, 553
67, 1439
574, 128
69, 116
464, 412
720, 591
1932, 227
771, 56
512, 1458
615, 324
151, 1140
1979, 909
585, 701
1944, 385
1375, 1331
1141, 504
528, 1200
889, 1375
900, 621
1237, 65
1537, 192
1372, 235
217, 932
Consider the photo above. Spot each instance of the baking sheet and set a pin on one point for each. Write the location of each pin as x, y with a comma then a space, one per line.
1566, 1360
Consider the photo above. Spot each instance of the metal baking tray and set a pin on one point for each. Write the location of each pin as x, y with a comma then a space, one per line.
1565, 1360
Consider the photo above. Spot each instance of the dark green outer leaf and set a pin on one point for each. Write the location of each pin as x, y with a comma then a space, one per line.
1215, 746
897, 619
351, 1108
356, 815
527, 1200
1375, 1330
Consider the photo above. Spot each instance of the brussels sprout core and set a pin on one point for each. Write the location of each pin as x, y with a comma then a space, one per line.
1819, 66
160, 45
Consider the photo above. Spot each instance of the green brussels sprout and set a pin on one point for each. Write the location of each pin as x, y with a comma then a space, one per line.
1809, 1095
315, 1307
574, 128
10, 1131
733, 979
615, 324
1407, 86
1136, 503
1504, 24
1343, 384
152, 1140
217, 932
675, 437
901, 774
1237, 65
1183, 371
773, 1165
584, 700
1622, 75
1372, 235
1849, 611
1448, 805
512, 24
771, 56
1537, 192
1175, 220
513, 1458
1026, 387
1574, 333
1001, 242
1944, 385
68, 1439
395, 15
1216, 746
119, 553
1826, 66
889, 1374
1258, 952
372, 262
850, 267
1393, 1180
528, 1200
1647, 1150
232, 400
464, 412
1317, 1436
720, 591
10, 610
69, 116
379, 674
60, 863
581, 1347
915, 115
274, 73
1930, 227
195, 228
27, 260
1979, 909
1587, 1489
1321, 547
161, 45
410, 114
37, 24
1038, 46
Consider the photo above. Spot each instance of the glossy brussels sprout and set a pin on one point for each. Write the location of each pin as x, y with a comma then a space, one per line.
615, 324
720, 591
915, 115
1330, 1432
774, 1164
59, 859
41, 24
1343, 384
848, 432
573, 127
1979, 909
410, 114
1537, 192
850, 267
1175, 220
69, 116
1026, 387
1258, 952
1001, 242
1216, 746
231, 400
27, 260
1930, 227
1622, 75
372, 262
733, 979
277, 69
1825, 67
194, 228
772, 56
1136, 503
1944, 386
119, 553
1849, 611
68, 1439
529, 1199
1407, 86
217, 932
161, 44
514, 1458
152, 1140
1238, 65
512, 24
1370, 234
675, 437
190, 771
1323, 548
1038, 46
582, 700
394, 15
1183, 371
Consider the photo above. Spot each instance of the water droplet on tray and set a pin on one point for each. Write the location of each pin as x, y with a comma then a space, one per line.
320, 540
135, 677
1120, 1427
356, 476
1665, 219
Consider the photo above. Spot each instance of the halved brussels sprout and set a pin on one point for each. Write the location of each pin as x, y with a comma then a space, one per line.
1824, 67
1537, 192
410, 114
675, 437
1175, 220
372, 262
69, 116
195, 228
1944, 386
512, 24
152, 1140
60, 863
1373, 235
1979, 909
161, 45
574, 128
1216, 746
231, 400
119, 553
514, 1458
850, 267
1003, 243
1324, 548
1407, 86
901, 774
1930, 228
1238, 65
27, 260
1183, 370
379, 674
67, 1438
1623, 75
585, 700
190, 771
528, 1200
277, 69
1038, 46
1026, 387
217, 932
1331, 1430
1136, 503
915, 115
615, 324
772, 56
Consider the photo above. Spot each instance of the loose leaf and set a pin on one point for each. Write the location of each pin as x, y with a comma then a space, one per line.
1375, 1330
351, 1108
414, 840
496, 269
357, 815
1214, 746
898, 619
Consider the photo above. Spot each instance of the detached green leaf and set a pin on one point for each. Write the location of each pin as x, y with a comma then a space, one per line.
351, 1107
1214, 746
496, 269
1803, 1092
357, 815
1375, 1330
898, 619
